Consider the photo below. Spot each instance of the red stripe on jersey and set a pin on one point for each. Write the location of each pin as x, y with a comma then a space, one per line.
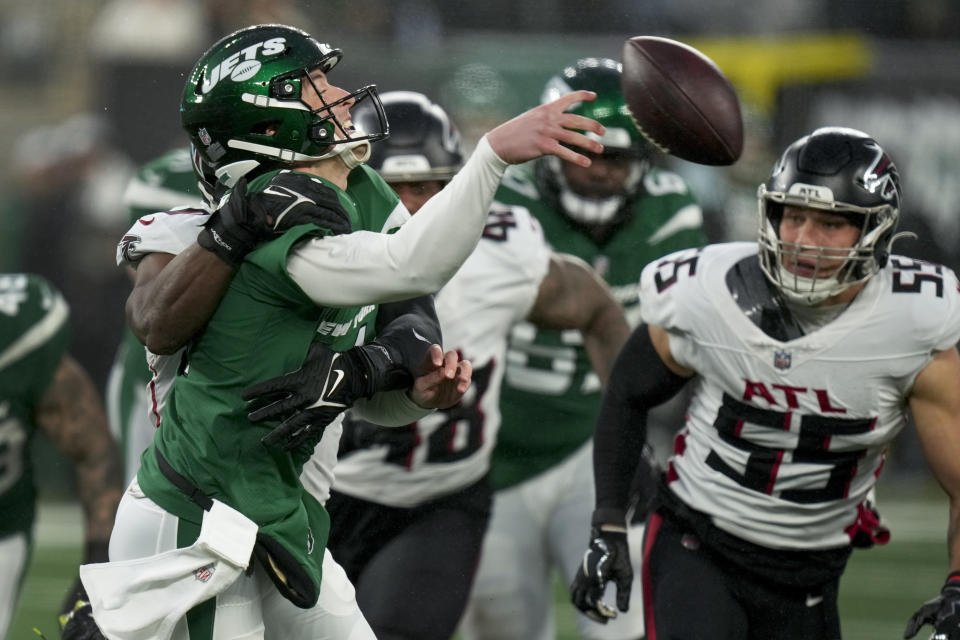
773, 473
649, 536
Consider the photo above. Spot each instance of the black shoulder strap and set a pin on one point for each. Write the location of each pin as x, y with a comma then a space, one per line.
189, 489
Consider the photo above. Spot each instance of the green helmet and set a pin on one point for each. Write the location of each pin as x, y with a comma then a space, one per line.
622, 138
242, 105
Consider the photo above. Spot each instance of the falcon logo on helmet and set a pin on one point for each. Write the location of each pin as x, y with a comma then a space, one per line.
842, 171
881, 176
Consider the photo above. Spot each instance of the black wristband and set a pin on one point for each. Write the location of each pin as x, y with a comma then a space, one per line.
227, 249
375, 361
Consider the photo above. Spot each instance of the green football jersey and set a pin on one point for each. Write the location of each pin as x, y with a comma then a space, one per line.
159, 185
34, 335
549, 383
262, 328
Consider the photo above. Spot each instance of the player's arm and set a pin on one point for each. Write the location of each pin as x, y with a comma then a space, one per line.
644, 375
572, 296
397, 379
431, 379
72, 415
935, 404
174, 296
428, 249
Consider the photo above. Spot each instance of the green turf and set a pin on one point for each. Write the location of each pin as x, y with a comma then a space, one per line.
50, 575
880, 590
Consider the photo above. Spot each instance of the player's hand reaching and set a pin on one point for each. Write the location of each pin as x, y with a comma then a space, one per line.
244, 218
443, 380
548, 130
310, 398
942, 612
606, 559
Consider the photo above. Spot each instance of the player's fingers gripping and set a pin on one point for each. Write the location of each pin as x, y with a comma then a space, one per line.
464, 376
264, 406
451, 361
291, 432
585, 593
271, 399
435, 357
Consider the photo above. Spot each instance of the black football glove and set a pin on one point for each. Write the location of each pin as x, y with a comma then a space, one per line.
606, 559
78, 623
243, 219
942, 613
310, 398
292, 199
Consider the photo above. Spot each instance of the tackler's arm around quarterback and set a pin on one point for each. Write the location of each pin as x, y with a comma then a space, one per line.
174, 296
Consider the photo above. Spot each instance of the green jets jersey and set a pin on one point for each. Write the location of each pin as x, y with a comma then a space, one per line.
549, 383
34, 335
161, 184
262, 328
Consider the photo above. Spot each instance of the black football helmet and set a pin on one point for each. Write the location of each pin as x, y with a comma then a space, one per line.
242, 106
602, 76
839, 170
423, 144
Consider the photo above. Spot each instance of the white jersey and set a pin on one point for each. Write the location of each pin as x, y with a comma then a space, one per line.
163, 232
784, 439
494, 289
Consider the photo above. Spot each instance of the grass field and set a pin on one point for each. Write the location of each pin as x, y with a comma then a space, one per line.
882, 586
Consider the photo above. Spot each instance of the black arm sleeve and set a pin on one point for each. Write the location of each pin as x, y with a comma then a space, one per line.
407, 328
639, 381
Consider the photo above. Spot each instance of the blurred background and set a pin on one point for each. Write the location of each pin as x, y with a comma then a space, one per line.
89, 89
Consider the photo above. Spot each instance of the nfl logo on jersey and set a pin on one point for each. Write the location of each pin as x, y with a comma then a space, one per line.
203, 574
781, 360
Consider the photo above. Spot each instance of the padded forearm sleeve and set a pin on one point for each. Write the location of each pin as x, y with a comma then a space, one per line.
639, 381
368, 268
408, 328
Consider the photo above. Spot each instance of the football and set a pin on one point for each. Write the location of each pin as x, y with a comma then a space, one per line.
681, 101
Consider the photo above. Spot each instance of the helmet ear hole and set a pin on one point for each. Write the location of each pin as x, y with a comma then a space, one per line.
266, 128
